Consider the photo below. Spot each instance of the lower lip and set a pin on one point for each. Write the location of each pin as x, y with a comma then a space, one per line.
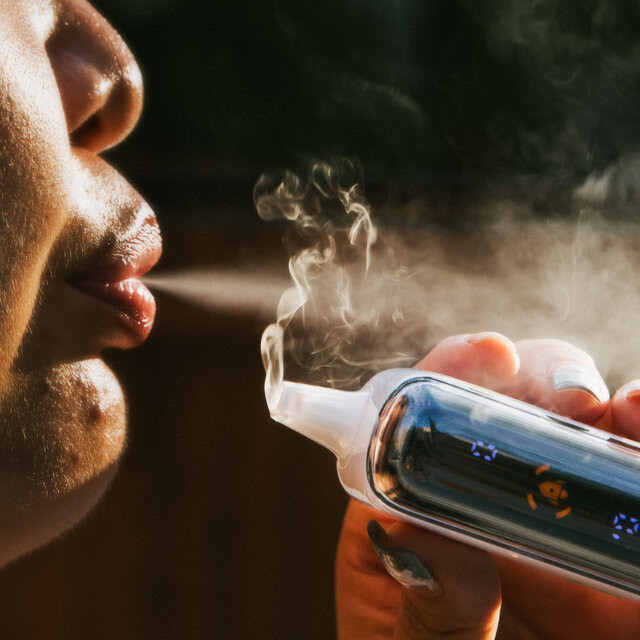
133, 302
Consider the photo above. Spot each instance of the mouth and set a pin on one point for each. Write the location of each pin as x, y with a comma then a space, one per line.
113, 281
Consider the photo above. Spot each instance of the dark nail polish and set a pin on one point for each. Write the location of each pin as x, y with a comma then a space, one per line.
401, 564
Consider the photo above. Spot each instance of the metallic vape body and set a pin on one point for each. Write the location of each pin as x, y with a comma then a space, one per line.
511, 476
484, 469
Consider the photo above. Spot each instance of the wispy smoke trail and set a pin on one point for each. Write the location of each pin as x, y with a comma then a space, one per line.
323, 315
231, 290
363, 301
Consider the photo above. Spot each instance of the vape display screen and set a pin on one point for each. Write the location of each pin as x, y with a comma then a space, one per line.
508, 472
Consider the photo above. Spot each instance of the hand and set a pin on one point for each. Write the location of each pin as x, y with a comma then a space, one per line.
474, 595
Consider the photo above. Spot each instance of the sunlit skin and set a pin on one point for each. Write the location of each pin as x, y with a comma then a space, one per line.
485, 597
69, 88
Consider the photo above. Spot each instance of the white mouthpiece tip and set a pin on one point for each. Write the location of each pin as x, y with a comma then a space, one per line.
327, 416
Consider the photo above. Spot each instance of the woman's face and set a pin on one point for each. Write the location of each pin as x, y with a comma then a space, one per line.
73, 237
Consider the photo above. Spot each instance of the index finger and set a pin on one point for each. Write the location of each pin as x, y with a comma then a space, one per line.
487, 359
560, 377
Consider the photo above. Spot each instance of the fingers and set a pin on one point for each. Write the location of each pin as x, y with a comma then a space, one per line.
367, 601
455, 590
449, 589
560, 377
549, 373
624, 418
486, 359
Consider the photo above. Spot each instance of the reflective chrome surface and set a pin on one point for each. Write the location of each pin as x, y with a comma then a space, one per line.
507, 473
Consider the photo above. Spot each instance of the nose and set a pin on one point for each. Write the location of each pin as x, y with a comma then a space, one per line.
99, 80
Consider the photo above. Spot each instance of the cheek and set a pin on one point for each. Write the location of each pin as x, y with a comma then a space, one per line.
35, 154
35, 181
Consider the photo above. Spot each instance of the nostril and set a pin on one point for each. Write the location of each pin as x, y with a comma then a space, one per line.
99, 81
88, 132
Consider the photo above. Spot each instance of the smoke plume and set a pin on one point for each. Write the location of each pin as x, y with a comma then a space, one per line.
364, 299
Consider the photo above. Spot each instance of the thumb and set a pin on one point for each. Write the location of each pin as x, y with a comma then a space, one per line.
449, 590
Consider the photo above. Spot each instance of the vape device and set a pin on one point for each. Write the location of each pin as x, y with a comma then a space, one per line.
485, 469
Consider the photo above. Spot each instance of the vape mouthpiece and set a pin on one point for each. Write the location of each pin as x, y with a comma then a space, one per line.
330, 417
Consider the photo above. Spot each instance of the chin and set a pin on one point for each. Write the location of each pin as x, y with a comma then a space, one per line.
62, 434
48, 517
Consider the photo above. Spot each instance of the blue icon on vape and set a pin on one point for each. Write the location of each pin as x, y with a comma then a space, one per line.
485, 451
622, 523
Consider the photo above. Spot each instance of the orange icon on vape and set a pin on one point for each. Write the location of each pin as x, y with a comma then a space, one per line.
552, 491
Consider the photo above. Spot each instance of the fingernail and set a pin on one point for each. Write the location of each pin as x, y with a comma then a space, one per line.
477, 338
574, 378
633, 395
401, 564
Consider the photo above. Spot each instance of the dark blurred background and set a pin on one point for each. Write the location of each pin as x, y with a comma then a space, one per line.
222, 524
418, 90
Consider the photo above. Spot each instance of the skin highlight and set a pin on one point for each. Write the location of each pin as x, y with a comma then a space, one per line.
69, 89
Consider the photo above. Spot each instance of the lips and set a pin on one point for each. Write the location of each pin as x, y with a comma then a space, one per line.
129, 299
113, 281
